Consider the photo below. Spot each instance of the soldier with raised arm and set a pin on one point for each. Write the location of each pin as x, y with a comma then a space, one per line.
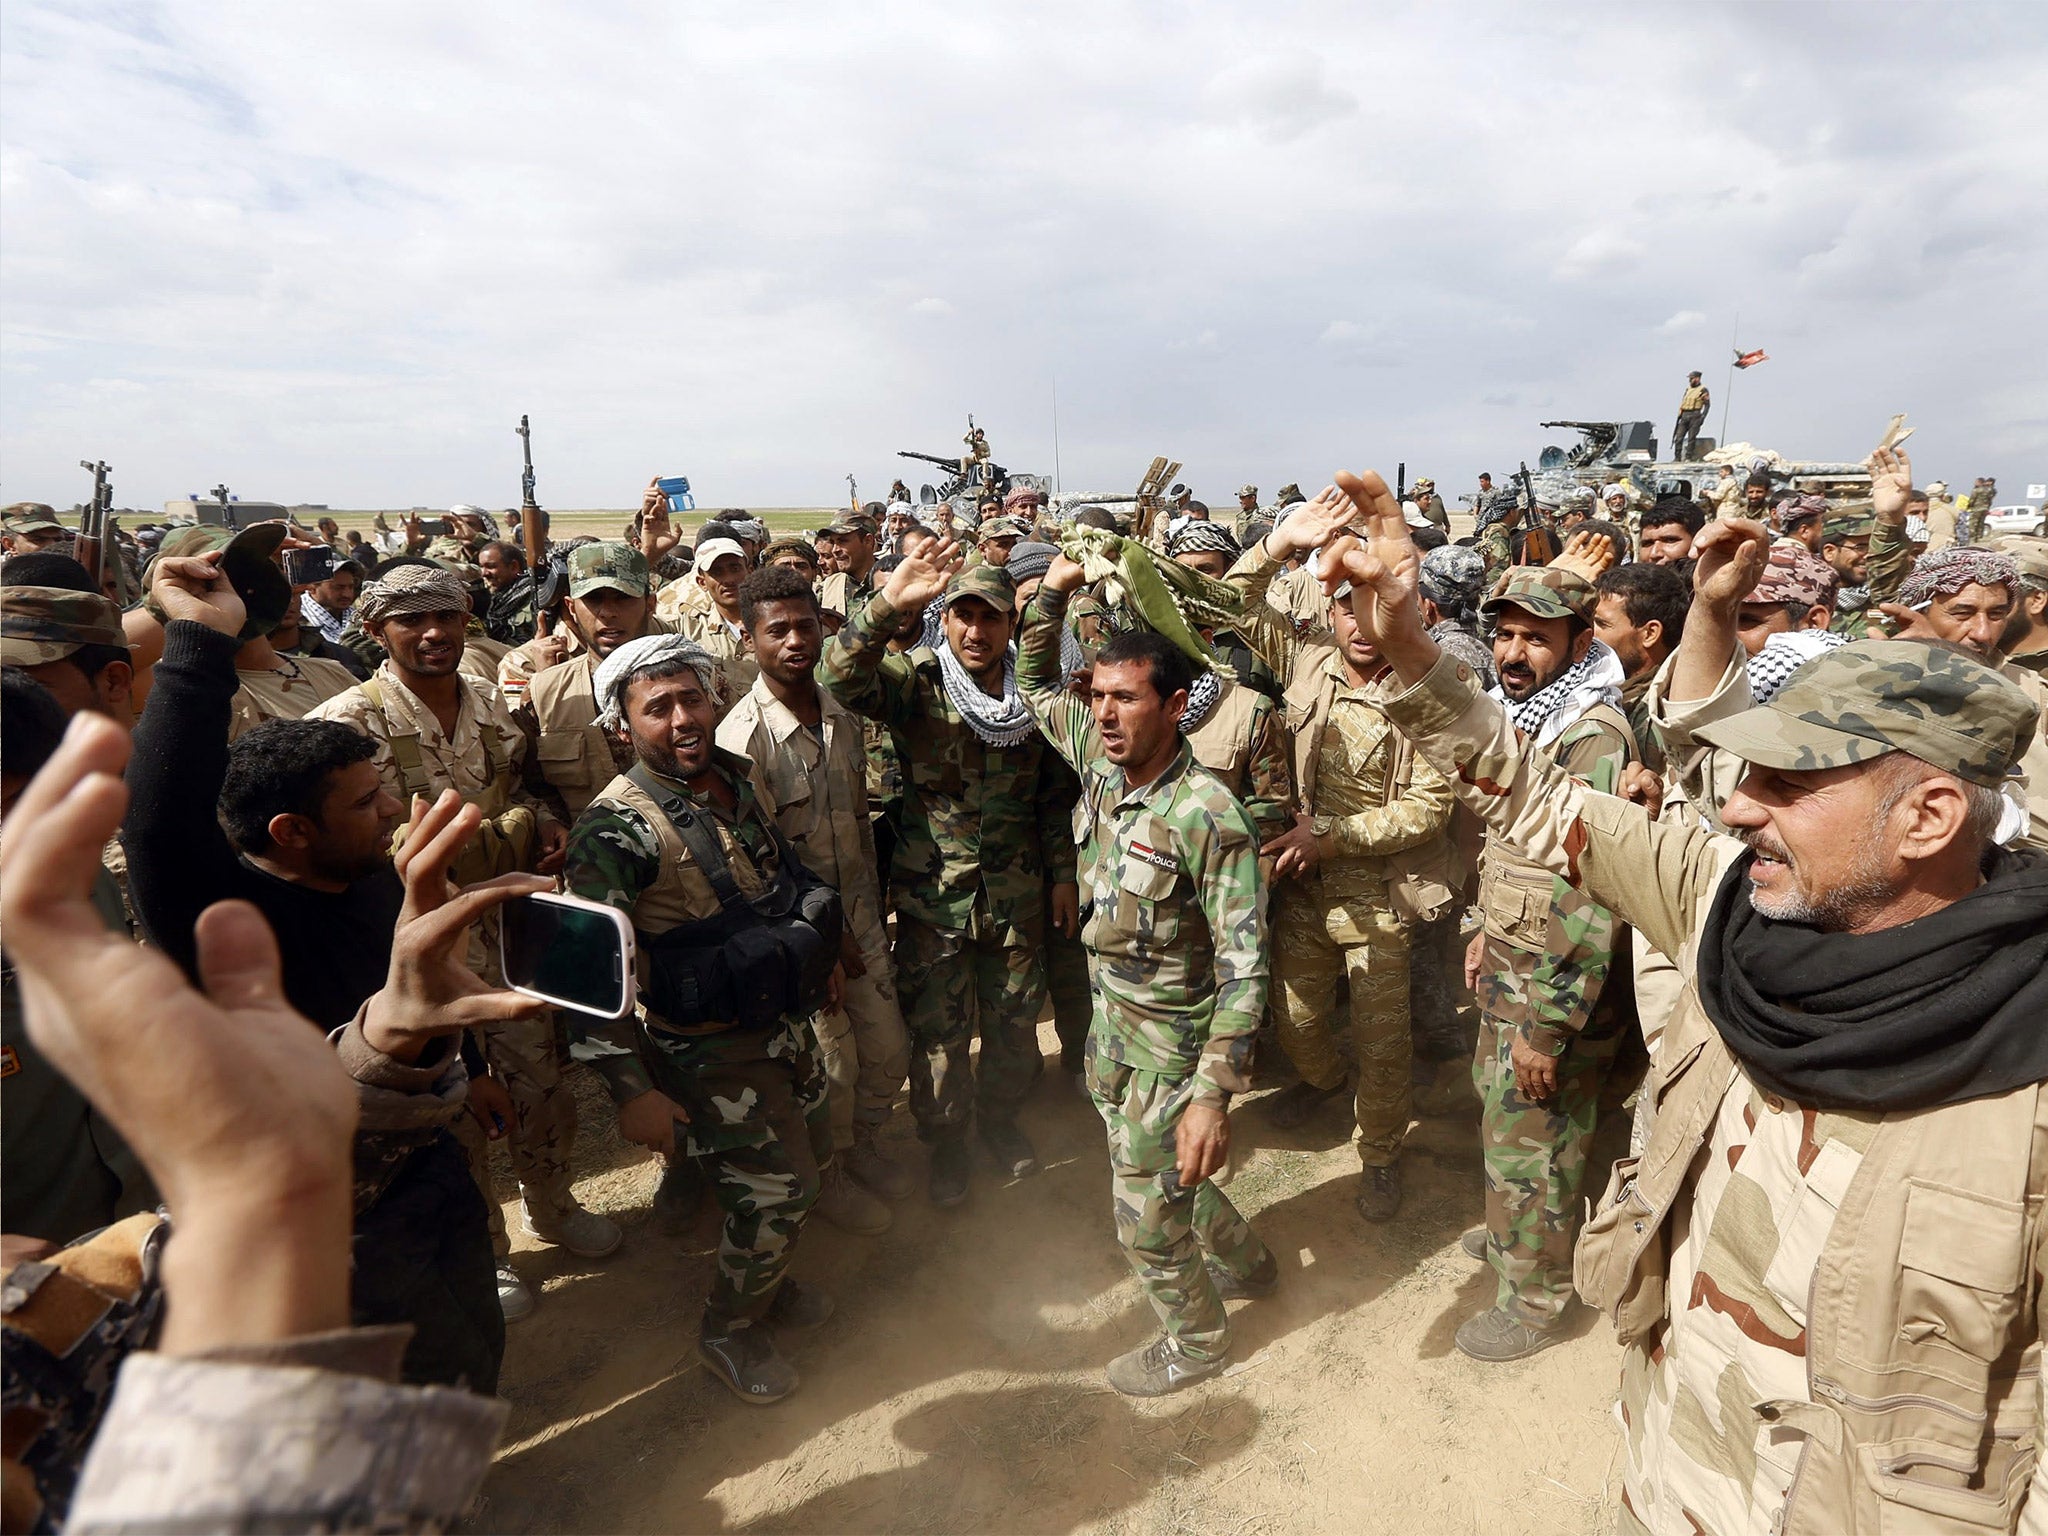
1175, 921
1826, 1267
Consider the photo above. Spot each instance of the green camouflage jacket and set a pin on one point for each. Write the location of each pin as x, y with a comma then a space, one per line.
1176, 917
1890, 563
980, 825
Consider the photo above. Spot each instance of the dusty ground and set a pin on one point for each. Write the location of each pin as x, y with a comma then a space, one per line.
960, 1386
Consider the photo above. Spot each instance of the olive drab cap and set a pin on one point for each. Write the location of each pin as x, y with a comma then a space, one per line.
1853, 525
1860, 701
1005, 528
250, 562
990, 583
31, 517
39, 625
1547, 591
610, 565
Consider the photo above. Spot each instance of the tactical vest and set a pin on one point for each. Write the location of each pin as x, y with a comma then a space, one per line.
509, 836
573, 752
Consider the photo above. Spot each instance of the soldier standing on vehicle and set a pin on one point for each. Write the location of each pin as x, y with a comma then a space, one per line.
1176, 924
1693, 406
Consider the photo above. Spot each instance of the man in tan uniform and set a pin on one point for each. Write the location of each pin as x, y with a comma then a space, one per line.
808, 748
437, 728
1826, 1268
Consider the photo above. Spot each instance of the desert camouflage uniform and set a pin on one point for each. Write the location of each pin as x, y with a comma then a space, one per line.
293, 692
818, 781
482, 761
982, 832
757, 1123
1177, 931
1338, 922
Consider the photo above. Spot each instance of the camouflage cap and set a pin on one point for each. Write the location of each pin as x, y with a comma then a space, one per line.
1004, 528
852, 522
1860, 701
1850, 525
2029, 554
1547, 591
1795, 574
990, 583
1247, 490
44, 624
1289, 494
789, 544
609, 565
448, 547
32, 517
250, 561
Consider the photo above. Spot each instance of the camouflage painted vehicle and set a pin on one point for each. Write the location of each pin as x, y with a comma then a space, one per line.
1608, 451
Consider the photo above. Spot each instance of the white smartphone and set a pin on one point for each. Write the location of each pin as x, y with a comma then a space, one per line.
568, 951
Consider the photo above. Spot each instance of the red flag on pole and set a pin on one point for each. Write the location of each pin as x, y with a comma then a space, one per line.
1751, 359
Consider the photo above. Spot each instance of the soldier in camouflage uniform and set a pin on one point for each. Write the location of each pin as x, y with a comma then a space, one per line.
1845, 545
748, 1106
1541, 962
1176, 928
983, 849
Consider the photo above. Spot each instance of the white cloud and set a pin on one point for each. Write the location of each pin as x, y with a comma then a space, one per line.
333, 253
1684, 323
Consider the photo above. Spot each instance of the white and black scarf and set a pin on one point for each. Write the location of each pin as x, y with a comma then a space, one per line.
1001, 722
1595, 678
1783, 654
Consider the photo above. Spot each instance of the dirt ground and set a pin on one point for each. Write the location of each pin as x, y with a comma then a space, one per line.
960, 1386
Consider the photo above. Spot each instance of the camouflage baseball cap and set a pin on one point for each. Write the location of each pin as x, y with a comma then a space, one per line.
1853, 525
852, 522
250, 561
1547, 591
990, 583
1860, 701
448, 548
609, 565
32, 517
1289, 494
1795, 574
44, 624
1004, 528
2029, 553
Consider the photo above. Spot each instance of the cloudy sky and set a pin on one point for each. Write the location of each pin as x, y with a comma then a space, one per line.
331, 253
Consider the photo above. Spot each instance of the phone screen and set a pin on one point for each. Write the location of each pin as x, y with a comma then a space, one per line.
306, 567
569, 954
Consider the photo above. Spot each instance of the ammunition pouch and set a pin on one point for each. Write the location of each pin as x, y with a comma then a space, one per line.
761, 960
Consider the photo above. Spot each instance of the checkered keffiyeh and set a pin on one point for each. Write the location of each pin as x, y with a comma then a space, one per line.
1947, 571
410, 590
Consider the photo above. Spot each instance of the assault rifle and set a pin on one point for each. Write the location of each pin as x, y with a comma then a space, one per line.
94, 547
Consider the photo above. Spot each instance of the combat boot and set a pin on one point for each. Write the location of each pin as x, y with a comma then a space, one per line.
1260, 1282
584, 1233
747, 1361
800, 1308
1379, 1192
849, 1207
1155, 1369
1496, 1336
951, 1164
1474, 1244
1010, 1147
877, 1174
1292, 1106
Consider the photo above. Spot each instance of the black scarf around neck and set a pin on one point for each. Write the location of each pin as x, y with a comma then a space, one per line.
1951, 1007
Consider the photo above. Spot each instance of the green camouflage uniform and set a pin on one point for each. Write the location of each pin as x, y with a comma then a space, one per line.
1853, 605
1176, 927
755, 1101
1548, 951
982, 831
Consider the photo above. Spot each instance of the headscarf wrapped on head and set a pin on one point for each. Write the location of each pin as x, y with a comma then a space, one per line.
608, 687
1947, 571
1454, 577
1195, 535
409, 590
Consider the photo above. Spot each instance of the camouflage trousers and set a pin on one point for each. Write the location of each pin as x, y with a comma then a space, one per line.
955, 987
1436, 965
1535, 1158
760, 1133
863, 1046
526, 1056
1165, 1228
1073, 994
1314, 944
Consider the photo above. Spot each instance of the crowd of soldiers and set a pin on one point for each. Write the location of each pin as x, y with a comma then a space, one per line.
1200, 788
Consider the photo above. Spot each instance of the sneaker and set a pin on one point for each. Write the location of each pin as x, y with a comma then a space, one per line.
849, 1207
1293, 1105
877, 1174
678, 1195
1010, 1147
1155, 1369
951, 1162
1260, 1282
1474, 1244
584, 1233
1379, 1192
514, 1299
1495, 1336
800, 1308
746, 1360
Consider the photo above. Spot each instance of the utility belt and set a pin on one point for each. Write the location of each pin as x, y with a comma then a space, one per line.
761, 959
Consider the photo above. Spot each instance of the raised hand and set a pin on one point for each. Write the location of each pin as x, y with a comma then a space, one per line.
918, 580
657, 537
1588, 554
1312, 524
1384, 569
1891, 483
195, 587
1730, 555
1063, 575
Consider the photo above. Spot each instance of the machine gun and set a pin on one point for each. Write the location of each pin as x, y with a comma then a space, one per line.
94, 547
